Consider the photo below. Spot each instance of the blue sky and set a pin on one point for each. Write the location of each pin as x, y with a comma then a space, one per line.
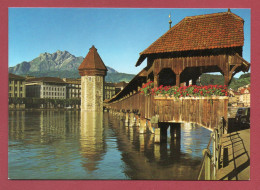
118, 34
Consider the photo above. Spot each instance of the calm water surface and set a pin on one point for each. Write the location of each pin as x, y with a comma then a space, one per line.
74, 145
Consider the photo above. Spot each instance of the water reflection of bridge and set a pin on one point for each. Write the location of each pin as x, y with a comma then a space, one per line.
145, 159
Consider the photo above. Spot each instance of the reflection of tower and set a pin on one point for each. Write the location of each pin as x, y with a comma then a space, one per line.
91, 139
92, 71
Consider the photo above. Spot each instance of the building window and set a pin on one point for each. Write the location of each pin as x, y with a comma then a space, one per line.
15, 88
21, 88
21, 95
10, 88
89, 79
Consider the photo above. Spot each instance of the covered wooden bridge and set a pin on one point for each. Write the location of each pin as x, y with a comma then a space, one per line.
196, 45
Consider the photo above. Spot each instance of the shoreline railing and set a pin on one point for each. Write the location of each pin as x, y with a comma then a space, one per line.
210, 163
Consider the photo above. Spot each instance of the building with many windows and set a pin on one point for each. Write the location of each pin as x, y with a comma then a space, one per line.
110, 90
120, 86
241, 97
245, 96
16, 86
46, 87
73, 88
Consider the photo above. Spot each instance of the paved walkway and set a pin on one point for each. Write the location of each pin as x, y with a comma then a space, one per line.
235, 156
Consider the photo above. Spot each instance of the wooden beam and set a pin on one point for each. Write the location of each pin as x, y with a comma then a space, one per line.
150, 70
178, 80
232, 71
156, 80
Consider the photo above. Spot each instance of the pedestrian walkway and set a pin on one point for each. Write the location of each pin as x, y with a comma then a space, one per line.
235, 156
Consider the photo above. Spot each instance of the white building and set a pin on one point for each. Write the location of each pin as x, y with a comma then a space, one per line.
46, 87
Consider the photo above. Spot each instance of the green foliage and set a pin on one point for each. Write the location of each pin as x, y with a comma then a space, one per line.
208, 79
118, 77
185, 91
246, 75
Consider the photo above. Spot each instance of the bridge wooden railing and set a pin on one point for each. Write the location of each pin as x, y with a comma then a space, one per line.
137, 103
204, 111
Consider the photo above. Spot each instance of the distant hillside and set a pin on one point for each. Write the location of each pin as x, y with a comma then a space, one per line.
243, 80
61, 64
110, 77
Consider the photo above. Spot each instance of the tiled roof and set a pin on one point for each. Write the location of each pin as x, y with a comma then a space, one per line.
110, 84
218, 30
17, 77
92, 61
46, 79
121, 84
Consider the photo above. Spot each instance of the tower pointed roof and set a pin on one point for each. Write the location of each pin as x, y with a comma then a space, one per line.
92, 64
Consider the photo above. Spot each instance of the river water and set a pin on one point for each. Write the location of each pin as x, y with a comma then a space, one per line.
50, 144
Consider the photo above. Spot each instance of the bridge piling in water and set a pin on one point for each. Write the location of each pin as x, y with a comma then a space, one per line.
131, 119
142, 128
126, 119
175, 130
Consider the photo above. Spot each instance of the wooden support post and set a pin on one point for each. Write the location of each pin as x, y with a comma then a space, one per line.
156, 80
217, 149
207, 163
175, 130
214, 155
226, 82
163, 132
178, 80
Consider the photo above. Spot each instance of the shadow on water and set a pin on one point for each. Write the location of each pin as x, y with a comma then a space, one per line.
51, 144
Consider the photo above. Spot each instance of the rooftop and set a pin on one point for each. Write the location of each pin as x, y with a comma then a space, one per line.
17, 77
92, 61
46, 79
217, 30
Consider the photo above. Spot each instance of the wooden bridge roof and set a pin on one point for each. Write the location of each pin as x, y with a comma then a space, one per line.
133, 84
218, 30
